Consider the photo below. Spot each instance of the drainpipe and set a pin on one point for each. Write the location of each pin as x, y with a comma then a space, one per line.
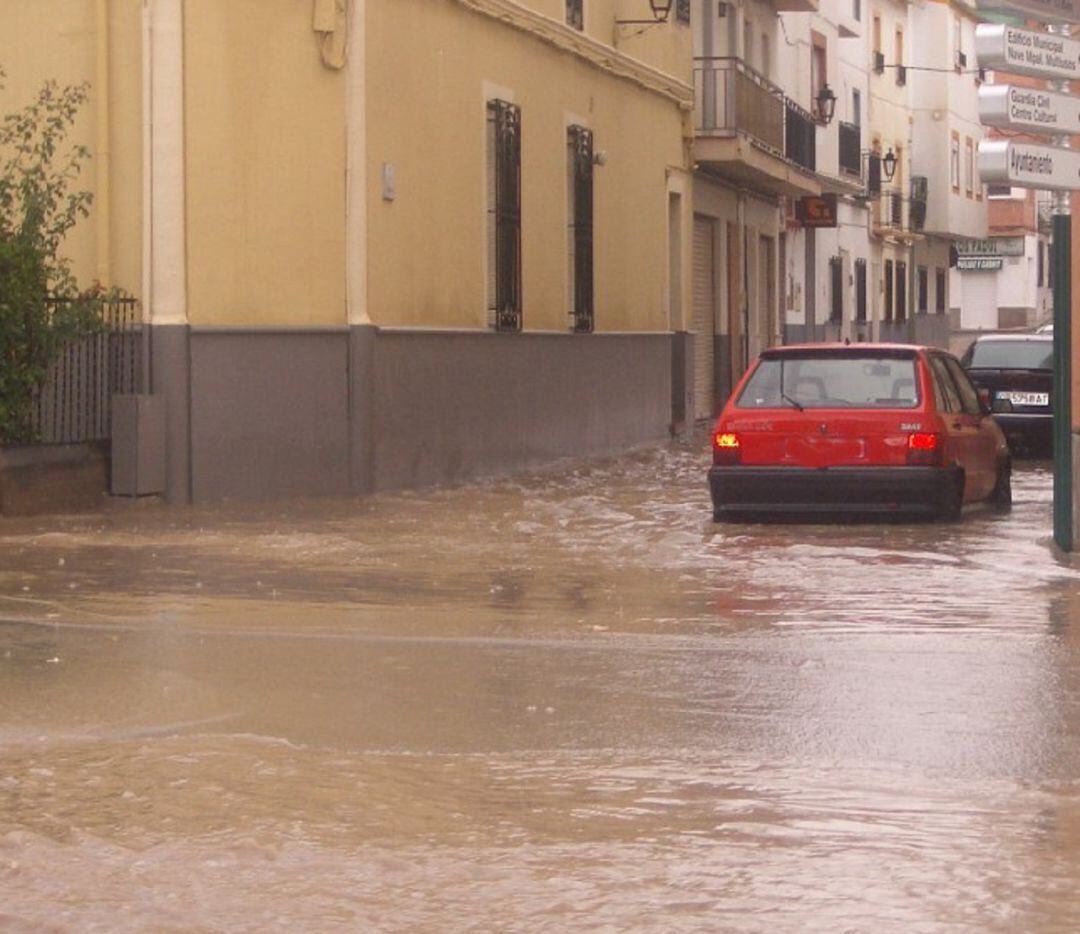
356, 273
102, 150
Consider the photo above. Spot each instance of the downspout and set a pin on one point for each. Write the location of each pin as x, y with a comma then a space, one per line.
147, 289
102, 150
356, 228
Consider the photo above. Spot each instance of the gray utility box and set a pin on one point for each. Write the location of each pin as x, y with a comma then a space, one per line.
138, 445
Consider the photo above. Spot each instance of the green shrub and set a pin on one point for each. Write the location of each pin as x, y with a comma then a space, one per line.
42, 308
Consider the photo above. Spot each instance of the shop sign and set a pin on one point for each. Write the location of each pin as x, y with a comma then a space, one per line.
816, 211
979, 263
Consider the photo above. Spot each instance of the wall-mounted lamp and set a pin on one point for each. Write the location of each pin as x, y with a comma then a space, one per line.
599, 157
888, 165
661, 10
825, 105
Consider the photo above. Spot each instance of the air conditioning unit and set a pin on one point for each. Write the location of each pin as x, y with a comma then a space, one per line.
879, 63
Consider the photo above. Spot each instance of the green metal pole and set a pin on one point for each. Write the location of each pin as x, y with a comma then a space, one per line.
1063, 478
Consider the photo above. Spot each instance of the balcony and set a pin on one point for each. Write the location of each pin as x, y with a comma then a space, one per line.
744, 130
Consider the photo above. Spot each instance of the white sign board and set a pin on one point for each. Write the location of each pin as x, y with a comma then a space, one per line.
1008, 162
1024, 52
1045, 11
979, 263
992, 246
1030, 109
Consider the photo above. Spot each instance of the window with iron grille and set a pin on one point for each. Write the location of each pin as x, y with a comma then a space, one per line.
901, 291
924, 289
888, 289
504, 215
860, 290
575, 13
579, 164
682, 12
836, 287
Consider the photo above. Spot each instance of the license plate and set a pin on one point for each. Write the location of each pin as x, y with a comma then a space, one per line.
1026, 398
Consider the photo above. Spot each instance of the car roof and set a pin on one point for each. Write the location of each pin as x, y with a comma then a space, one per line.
838, 349
1019, 336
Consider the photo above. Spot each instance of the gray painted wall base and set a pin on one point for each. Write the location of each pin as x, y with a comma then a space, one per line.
261, 414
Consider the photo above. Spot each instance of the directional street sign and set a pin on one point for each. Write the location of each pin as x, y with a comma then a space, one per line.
1024, 52
1008, 162
1045, 11
1030, 109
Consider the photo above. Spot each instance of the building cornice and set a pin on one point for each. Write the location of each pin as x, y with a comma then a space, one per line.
602, 57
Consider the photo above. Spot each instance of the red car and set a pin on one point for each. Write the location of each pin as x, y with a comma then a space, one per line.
884, 429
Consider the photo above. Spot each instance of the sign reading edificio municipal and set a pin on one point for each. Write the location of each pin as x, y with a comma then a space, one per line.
1024, 52
1025, 165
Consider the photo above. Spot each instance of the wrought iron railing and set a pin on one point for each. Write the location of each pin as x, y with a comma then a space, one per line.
800, 136
730, 96
73, 403
850, 136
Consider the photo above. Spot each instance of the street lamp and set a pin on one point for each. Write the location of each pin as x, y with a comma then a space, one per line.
888, 165
825, 105
661, 10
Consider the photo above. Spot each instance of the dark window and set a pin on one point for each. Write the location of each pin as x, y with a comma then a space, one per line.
888, 289
860, 290
836, 286
948, 397
682, 12
901, 291
969, 395
579, 151
873, 174
575, 15
1042, 263
924, 288
504, 215
939, 298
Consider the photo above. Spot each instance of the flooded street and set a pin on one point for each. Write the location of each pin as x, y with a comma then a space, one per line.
560, 702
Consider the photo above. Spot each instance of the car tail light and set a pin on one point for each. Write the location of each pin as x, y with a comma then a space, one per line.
725, 448
924, 448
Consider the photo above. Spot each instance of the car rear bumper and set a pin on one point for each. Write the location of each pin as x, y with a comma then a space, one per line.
906, 491
1027, 428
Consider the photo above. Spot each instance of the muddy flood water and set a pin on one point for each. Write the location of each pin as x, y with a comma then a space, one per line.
559, 702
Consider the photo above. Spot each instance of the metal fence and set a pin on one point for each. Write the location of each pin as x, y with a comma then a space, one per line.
72, 405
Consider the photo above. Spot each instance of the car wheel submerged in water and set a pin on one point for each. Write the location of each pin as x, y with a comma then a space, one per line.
864, 429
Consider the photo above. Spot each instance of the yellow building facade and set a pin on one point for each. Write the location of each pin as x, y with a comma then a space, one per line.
353, 276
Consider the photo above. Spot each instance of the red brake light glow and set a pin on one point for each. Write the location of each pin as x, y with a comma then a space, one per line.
725, 447
923, 448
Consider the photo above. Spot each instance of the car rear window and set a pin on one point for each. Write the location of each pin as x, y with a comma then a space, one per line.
832, 382
1011, 355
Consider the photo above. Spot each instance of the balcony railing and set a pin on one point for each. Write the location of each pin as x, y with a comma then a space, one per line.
800, 136
850, 149
729, 96
892, 210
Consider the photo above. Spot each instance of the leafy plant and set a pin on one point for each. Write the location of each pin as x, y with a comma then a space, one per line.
42, 308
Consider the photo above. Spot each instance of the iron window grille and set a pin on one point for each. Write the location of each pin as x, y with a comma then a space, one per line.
860, 290
504, 215
682, 12
579, 153
836, 284
888, 290
575, 13
901, 291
